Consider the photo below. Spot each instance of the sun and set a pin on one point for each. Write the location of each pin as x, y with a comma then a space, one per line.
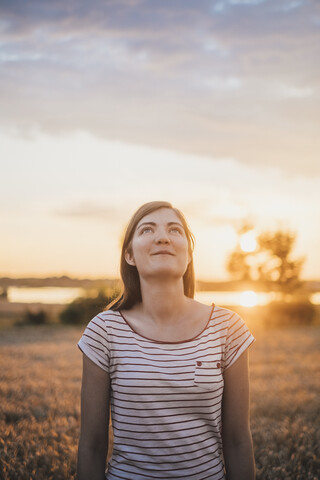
248, 241
248, 299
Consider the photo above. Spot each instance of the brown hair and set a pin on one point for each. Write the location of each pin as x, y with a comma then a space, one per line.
131, 291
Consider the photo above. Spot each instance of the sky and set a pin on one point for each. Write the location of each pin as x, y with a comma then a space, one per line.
105, 105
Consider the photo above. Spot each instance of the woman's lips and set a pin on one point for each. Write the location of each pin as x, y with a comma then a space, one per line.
162, 252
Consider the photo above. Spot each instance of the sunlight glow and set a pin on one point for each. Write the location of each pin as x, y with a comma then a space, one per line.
315, 298
248, 299
248, 241
52, 295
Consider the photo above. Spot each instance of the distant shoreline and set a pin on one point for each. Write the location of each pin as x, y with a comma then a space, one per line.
309, 286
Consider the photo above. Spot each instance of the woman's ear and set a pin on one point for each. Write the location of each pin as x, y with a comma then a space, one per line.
129, 258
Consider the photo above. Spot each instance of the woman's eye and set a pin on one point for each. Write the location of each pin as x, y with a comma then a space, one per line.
175, 229
146, 229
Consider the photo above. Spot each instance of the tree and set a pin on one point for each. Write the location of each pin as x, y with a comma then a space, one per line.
237, 265
283, 270
269, 263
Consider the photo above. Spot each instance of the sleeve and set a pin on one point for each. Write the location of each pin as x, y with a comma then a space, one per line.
238, 339
94, 342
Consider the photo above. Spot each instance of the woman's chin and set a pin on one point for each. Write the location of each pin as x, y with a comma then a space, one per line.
164, 272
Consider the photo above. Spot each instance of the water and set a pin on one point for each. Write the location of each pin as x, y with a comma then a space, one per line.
63, 295
246, 298
51, 295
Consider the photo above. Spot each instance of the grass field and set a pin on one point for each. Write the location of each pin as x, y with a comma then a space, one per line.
40, 402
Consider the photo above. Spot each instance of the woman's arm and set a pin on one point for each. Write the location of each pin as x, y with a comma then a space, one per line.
93, 443
236, 434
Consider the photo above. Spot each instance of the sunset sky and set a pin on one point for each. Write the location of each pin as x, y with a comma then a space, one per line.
105, 105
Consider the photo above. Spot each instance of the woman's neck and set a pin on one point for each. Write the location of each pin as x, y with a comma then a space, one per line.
163, 301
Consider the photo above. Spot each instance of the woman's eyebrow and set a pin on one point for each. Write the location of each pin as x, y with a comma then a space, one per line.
175, 223
146, 223
154, 224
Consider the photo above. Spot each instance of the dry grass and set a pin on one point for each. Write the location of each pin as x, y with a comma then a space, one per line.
40, 403
285, 392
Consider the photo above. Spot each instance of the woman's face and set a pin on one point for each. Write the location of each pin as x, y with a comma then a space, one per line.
159, 246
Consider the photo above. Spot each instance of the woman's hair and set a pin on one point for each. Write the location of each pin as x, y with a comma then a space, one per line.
131, 291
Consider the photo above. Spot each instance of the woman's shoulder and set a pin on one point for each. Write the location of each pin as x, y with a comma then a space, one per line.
105, 317
225, 311
214, 310
226, 316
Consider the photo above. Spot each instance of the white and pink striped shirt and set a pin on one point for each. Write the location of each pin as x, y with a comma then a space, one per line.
166, 397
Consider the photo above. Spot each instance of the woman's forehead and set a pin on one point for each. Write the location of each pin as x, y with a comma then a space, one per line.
162, 215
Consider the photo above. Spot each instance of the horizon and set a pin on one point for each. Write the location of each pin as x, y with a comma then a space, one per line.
82, 278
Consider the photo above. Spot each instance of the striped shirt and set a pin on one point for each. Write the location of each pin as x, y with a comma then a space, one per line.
166, 397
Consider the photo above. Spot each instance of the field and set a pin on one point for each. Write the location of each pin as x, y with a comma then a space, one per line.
40, 402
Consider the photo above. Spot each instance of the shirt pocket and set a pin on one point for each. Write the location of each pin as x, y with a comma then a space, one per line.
208, 375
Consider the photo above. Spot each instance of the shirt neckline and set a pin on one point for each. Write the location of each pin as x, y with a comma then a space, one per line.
161, 341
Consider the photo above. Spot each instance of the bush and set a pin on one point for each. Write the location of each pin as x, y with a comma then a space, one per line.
290, 313
34, 318
81, 310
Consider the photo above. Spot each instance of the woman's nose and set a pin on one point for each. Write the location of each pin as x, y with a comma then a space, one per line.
162, 237
163, 240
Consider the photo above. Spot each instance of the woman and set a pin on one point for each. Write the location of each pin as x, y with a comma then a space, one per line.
173, 370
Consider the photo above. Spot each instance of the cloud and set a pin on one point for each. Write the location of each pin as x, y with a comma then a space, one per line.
223, 5
290, 91
170, 75
228, 212
291, 5
221, 84
87, 210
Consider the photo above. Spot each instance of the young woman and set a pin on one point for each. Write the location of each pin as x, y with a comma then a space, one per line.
174, 371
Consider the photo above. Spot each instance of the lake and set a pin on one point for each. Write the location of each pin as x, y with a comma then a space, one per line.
52, 295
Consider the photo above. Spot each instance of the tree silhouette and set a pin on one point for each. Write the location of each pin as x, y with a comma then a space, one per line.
270, 263
285, 272
238, 266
